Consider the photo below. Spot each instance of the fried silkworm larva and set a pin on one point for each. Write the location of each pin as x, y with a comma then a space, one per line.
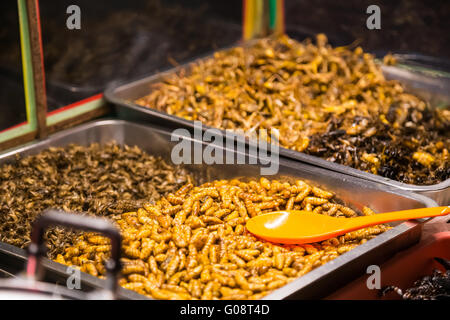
205, 247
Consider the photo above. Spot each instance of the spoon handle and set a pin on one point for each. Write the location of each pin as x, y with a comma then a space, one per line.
367, 221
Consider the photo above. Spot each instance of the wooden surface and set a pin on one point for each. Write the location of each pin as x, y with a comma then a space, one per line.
38, 66
18, 141
104, 110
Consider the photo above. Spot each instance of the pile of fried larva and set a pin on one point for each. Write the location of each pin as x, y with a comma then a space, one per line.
192, 244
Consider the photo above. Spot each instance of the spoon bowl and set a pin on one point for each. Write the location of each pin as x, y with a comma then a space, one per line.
297, 227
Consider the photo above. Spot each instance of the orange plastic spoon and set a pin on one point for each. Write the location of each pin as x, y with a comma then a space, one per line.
296, 227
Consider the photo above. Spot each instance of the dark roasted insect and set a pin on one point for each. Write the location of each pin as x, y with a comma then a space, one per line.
391, 151
100, 180
434, 287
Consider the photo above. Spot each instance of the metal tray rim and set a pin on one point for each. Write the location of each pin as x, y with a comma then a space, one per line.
108, 122
112, 121
109, 96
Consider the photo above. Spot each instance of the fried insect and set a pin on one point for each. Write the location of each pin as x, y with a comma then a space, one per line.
99, 179
210, 255
334, 103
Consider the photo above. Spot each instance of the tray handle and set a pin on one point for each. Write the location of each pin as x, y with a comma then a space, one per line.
52, 217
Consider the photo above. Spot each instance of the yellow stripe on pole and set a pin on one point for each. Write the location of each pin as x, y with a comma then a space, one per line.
248, 19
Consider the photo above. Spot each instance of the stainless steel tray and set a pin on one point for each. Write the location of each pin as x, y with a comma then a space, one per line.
355, 192
433, 89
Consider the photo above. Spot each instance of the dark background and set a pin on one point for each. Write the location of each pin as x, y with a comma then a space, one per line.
406, 25
121, 40
12, 97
